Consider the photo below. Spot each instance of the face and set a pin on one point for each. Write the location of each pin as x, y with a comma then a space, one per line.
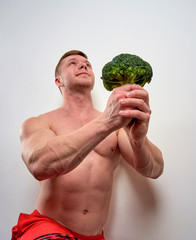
75, 71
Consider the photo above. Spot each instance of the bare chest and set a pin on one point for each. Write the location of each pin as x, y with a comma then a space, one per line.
108, 147
97, 168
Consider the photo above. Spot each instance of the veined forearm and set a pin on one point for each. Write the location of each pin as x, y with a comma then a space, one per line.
63, 153
147, 159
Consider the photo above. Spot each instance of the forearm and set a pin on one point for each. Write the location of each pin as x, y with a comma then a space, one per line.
61, 154
148, 158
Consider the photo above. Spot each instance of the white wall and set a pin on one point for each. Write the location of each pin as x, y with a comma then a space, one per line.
34, 35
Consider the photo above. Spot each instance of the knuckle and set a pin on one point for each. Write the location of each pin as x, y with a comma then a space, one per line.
115, 91
148, 116
120, 95
140, 101
146, 95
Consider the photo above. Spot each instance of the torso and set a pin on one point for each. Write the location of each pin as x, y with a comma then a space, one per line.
80, 199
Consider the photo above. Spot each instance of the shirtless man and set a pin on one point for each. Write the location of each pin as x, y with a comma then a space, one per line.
74, 150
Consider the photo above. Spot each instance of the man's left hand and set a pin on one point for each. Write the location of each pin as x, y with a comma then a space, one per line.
136, 106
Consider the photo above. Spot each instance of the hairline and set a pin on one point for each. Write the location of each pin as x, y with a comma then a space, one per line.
67, 54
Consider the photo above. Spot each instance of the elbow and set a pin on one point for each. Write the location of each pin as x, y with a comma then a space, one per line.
153, 170
157, 166
154, 174
157, 171
40, 166
39, 173
36, 168
42, 170
157, 175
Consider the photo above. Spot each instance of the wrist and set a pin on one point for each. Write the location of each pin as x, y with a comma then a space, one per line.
103, 125
139, 143
107, 125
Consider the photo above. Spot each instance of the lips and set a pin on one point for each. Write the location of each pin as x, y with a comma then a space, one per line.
81, 73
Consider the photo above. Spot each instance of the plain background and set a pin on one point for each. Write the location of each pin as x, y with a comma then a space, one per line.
35, 34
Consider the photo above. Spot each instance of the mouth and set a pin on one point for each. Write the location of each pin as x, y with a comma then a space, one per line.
82, 73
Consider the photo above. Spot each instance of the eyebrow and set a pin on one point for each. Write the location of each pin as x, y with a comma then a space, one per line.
77, 60
71, 59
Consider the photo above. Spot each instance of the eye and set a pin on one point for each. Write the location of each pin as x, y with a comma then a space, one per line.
88, 65
72, 63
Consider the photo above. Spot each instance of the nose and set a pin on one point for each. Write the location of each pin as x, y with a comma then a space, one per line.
82, 65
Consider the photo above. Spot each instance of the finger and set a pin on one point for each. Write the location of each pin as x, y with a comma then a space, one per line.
128, 87
118, 94
129, 113
135, 103
140, 94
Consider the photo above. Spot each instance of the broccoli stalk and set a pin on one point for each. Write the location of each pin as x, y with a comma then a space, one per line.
126, 68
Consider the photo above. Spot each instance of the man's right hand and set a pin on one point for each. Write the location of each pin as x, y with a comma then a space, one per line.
114, 105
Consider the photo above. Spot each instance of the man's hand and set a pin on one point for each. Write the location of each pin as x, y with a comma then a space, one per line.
134, 145
111, 115
128, 107
136, 106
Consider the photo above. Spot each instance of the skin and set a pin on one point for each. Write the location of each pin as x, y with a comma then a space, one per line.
74, 149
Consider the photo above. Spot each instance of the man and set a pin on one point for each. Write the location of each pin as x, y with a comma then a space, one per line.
74, 150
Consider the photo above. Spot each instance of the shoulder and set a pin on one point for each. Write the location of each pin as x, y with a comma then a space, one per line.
31, 125
40, 122
42, 119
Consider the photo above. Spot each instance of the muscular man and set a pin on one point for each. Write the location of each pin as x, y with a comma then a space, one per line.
74, 150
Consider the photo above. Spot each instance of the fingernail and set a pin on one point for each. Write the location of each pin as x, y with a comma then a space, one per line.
129, 94
121, 112
122, 100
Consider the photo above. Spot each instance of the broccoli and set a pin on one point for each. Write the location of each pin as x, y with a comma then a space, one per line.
126, 68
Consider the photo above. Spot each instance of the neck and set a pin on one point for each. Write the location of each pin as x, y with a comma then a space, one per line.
77, 103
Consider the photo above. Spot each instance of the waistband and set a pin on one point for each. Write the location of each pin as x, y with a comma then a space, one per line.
78, 235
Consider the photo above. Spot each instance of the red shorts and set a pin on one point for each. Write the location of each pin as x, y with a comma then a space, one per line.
35, 226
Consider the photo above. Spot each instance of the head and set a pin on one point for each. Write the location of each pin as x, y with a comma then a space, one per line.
71, 64
67, 54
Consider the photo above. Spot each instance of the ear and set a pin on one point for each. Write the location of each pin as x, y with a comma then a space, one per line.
58, 82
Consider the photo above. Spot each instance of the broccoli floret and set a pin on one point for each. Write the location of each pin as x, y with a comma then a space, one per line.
126, 68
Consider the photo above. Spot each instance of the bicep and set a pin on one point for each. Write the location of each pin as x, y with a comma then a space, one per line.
125, 147
34, 135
